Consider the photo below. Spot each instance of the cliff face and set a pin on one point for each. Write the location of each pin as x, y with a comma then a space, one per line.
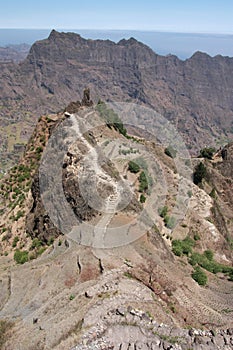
196, 94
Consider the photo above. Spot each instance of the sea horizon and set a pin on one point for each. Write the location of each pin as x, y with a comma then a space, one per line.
183, 45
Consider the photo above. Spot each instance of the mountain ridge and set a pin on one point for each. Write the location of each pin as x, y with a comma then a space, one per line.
98, 296
195, 94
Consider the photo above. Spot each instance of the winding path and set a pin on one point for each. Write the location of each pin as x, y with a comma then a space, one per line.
92, 167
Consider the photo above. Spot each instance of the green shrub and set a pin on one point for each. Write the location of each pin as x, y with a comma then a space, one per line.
207, 152
163, 211
196, 237
170, 221
133, 167
19, 214
206, 262
51, 240
199, 174
183, 247
213, 194
36, 243
143, 182
41, 250
21, 256
111, 118
170, 152
231, 275
15, 241
199, 276
142, 163
177, 247
142, 198
39, 149
209, 254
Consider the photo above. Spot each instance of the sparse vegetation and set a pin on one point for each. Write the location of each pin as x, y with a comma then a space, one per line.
15, 241
170, 152
19, 215
207, 152
21, 256
183, 247
196, 237
163, 211
199, 276
199, 174
111, 118
197, 260
142, 198
170, 221
213, 193
133, 167
143, 182
36, 243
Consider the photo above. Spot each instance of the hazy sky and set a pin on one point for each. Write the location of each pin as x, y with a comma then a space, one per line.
208, 16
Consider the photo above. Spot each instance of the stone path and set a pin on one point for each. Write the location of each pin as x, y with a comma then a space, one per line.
109, 205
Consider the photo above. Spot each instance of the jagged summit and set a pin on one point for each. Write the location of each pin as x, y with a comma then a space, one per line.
55, 35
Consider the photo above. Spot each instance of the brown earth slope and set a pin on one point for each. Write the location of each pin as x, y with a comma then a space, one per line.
135, 296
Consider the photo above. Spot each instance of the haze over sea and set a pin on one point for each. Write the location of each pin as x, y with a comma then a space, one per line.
182, 45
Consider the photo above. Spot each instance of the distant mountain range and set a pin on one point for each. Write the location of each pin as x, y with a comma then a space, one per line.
15, 53
195, 94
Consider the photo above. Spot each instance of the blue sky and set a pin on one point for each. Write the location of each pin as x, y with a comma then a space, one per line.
207, 16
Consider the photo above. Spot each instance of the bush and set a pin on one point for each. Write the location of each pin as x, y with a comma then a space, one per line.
199, 276
111, 118
21, 256
196, 237
177, 247
163, 211
199, 174
36, 243
213, 194
231, 275
170, 221
133, 167
205, 262
183, 247
15, 241
209, 254
39, 149
170, 152
207, 152
19, 214
142, 198
143, 182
